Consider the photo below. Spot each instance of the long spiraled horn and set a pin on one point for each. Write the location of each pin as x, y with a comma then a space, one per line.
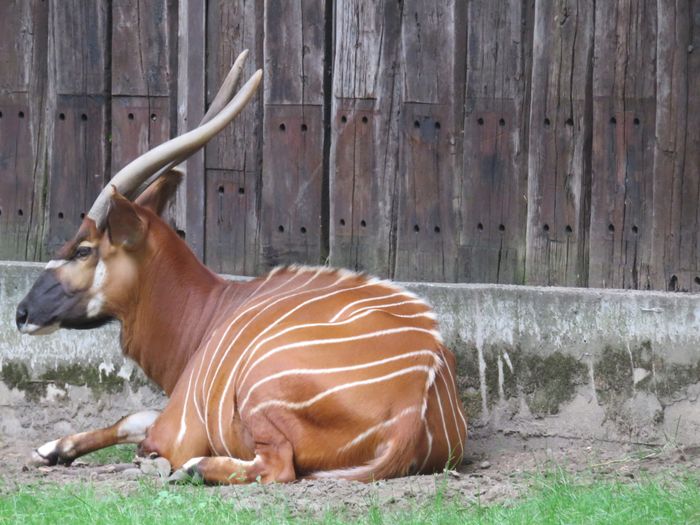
222, 98
178, 149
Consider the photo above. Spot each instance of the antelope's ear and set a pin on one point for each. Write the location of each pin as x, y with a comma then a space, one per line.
158, 194
124, 226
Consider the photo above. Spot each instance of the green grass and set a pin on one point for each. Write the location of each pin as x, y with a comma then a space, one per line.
115, 454
554, 498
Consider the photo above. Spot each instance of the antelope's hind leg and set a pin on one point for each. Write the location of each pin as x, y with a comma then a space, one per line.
265, 468
130, 429
273, 463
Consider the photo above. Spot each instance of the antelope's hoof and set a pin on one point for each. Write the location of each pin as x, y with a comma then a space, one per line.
187, 473
48, 455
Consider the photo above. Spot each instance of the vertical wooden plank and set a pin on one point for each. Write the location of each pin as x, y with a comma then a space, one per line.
231, 218
141, 77
23, 133
138, 124
430, 141
78, 156
623, 141
78, 163
494, 188
16, 184
141, 47
293, 131
292, 177
80, 39
191, 64
676, 186
364, 135
236, 153
559, 144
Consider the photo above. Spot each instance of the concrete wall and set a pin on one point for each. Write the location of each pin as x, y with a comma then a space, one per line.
560, 362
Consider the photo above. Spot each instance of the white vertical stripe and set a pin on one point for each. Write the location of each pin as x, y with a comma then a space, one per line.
454, 415
442, 417
183, 417
457, 399
235, 320
232, 373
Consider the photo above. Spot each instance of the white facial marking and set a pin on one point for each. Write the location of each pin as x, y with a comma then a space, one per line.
55, 263
94, 306
100, 276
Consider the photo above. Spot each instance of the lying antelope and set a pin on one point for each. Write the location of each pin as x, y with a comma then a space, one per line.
304, 372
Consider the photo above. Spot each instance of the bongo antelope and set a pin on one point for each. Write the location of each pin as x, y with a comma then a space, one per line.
304, 372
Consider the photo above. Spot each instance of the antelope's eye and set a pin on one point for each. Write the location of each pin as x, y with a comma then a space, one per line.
82, 252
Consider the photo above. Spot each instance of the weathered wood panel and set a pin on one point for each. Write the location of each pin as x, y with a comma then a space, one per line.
79, 158
559, 144
293, 133
676, 204
623, 142
364, 135
430, 164
231, 220
78, 163
191, 99
141, 47
494, 189
521, 141
80, 32
231, 27
16, 188
138, 124
23, 174
141, 77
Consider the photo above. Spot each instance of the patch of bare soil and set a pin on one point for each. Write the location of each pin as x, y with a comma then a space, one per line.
497, 469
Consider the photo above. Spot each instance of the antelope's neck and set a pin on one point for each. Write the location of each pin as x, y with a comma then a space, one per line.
179, 304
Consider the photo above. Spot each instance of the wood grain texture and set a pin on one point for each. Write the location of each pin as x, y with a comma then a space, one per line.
140, 47
675, 243
560, 145
494, 188
78, 160
78, 163
524, 141
293, 133
365, 127
231, 27
23, 135
232, 221
138, 124
623, 143
191, 99
79, 29
430, 152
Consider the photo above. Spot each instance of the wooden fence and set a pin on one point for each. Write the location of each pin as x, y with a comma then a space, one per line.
509, 141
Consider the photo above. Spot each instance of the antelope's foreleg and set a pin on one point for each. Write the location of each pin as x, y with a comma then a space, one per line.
130, 429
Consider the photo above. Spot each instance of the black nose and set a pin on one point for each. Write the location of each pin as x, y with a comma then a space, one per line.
22, 315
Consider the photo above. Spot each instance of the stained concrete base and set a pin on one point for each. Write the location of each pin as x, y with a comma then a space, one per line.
561, 362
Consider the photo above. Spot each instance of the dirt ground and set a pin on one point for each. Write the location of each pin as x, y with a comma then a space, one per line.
499, 469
